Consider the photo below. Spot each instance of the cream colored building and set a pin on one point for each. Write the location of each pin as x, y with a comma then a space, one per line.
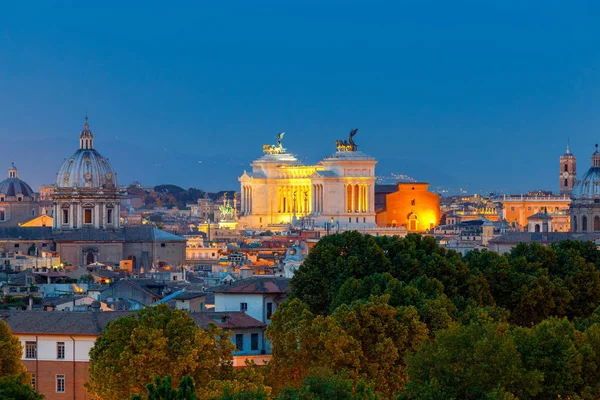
339, 190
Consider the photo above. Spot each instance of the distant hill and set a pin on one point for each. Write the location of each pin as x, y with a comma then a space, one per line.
170, 196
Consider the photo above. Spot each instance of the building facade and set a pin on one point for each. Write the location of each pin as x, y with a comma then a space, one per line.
340, 190
517, 209
411, 206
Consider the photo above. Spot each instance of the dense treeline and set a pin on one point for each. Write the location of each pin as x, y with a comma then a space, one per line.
417, 321
375, 318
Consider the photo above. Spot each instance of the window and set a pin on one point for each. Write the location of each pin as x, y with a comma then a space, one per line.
357, 220
566, 183
19, 198
60, 383
16, 245
350, 220
512, 209
528, 208
163, 245
584, 223
243, 306
269, 310
2, 198
65, 216
32, 382
30, 350
413, 202
2, 215
60, 350
566, 167
87, 216
254, 341
239, 342
109, 216
364, 220
32, 212
596, 223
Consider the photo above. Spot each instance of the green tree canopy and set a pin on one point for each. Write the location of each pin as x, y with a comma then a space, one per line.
162, 389
470, 362
12, 387
10, 354
158, 341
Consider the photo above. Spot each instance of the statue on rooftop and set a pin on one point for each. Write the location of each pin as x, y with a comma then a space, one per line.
275, 149
347, 145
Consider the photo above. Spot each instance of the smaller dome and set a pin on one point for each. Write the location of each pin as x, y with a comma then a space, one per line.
588, 187
13, 186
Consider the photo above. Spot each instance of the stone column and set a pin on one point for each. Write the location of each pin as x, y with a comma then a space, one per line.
71, 216
96, 215
360, 198
104, 216
79, 222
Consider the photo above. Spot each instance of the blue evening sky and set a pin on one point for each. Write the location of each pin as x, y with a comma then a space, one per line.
479, 93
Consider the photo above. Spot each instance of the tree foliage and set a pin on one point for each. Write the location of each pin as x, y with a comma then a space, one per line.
10, 354
12, 387
162, 389
158, 341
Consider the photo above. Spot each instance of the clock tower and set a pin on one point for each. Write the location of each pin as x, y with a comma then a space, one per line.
568, 172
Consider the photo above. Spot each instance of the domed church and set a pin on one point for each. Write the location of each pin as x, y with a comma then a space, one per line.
18, 203
86, 226
585, 199
86, 191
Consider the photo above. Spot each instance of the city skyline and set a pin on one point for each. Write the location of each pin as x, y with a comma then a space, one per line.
463, 95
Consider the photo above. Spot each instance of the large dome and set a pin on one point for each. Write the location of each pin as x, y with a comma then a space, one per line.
588, 187
13, 186
86, 168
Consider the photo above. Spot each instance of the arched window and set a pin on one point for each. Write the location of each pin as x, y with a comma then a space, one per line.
394, 224
574, 223
412, 223
596, 223
537, 227
584, 224
566, 167
566, 183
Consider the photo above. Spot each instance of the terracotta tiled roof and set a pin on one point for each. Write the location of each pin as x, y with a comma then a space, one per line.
226, 320
256, 285
59, 322
89, 323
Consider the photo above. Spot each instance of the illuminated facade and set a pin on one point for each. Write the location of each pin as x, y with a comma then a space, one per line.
411, 206
517, 209
340, 190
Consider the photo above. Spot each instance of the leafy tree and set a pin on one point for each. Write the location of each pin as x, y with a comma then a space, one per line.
10, 354
385, 335
162, 389
470, 362
247, 384
329, 387
302, 342
12, 387
334, 259
159, 341
551, 349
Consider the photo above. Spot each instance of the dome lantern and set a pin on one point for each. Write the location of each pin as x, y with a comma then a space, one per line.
86, 137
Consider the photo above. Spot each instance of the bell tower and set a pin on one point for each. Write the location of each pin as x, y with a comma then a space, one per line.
568, 172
